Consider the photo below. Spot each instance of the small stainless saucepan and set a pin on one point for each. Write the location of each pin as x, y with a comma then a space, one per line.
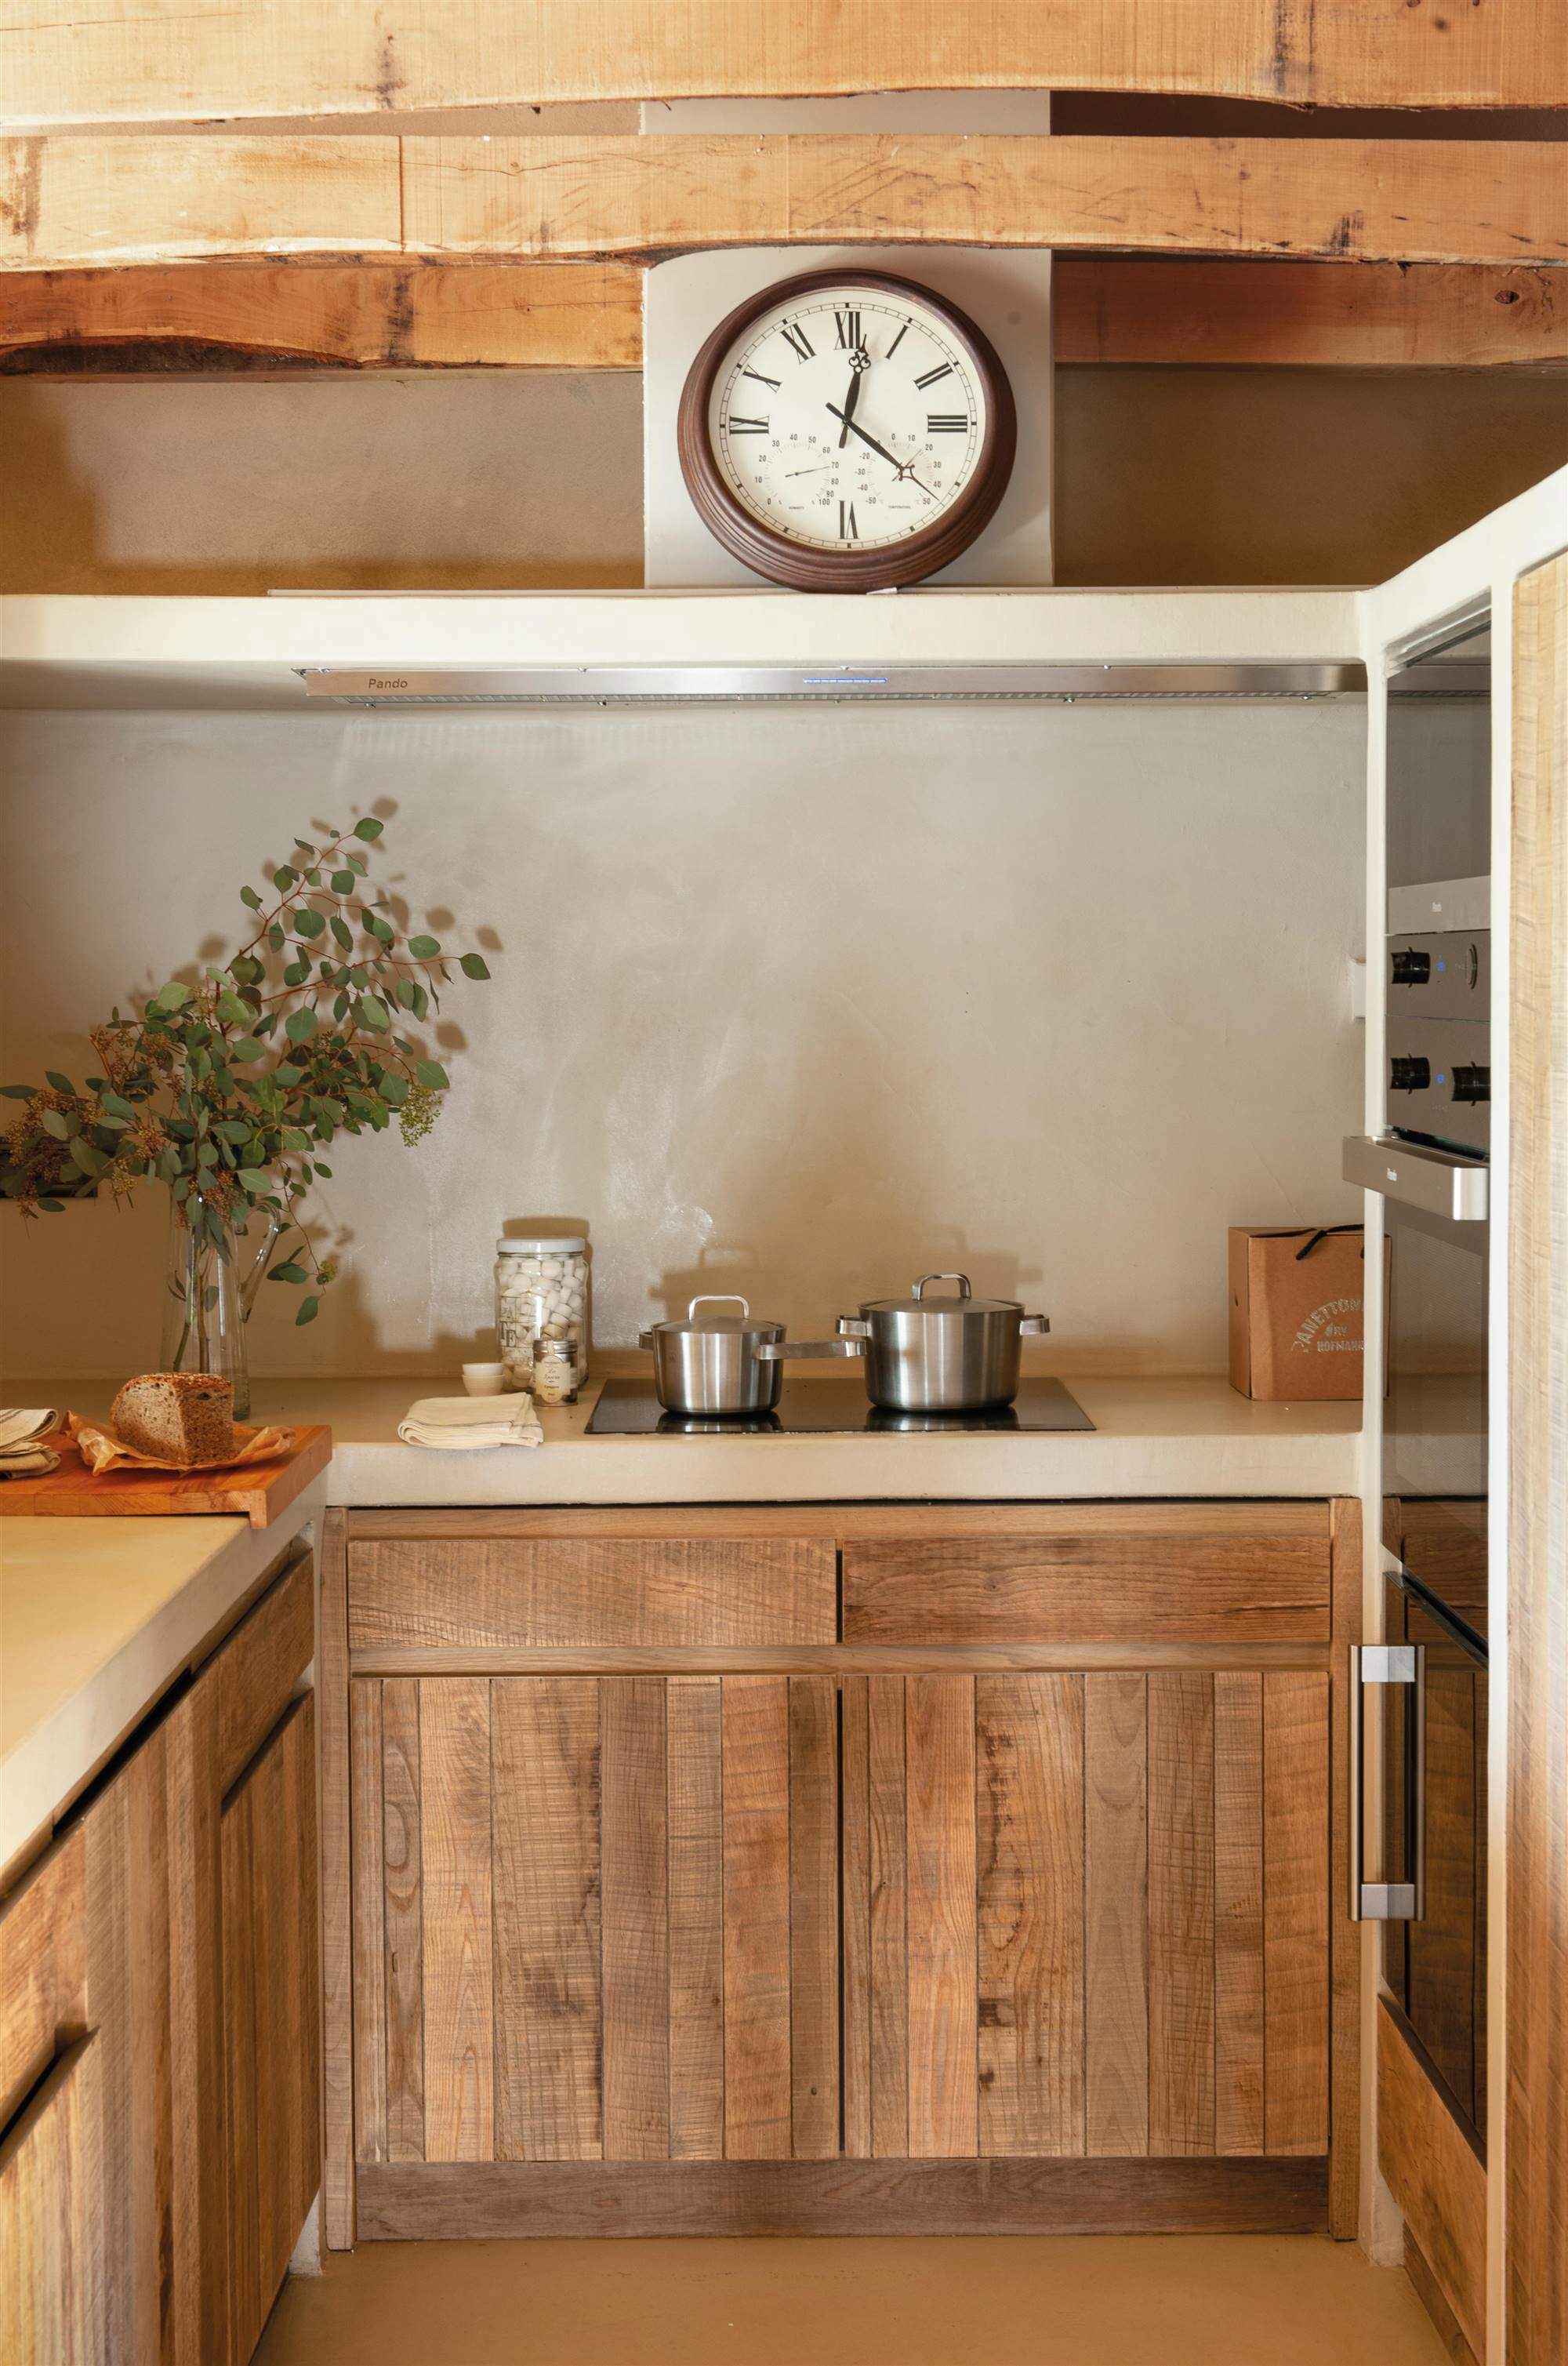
941, 1354
715, 1365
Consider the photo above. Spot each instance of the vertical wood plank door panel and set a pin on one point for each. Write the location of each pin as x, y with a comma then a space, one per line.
1029, 1769
544, 1743
635, 1960
1116, 1914
1127, 1955
1295, 1913
695, 1729
1180, 1913
454, 1817
597, 1918
402, 1920
758, 2091
939, 1747
1239, 1914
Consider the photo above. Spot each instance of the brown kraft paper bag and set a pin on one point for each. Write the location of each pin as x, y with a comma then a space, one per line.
1297, 1298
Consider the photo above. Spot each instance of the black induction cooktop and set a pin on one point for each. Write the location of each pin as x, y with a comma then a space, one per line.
831, 1409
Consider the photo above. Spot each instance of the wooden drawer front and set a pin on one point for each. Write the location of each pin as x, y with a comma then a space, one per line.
510, 1591
1230, 1575
1086, 1915
255, 1671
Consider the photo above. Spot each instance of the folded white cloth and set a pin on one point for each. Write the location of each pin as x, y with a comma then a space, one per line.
21, 1435
469, 1423
28, 1462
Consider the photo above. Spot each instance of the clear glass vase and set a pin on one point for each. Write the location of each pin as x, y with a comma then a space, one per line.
210, 1291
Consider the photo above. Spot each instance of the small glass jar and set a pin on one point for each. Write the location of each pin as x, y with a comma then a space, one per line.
541, 1313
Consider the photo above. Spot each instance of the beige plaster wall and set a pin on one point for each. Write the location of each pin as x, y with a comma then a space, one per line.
800, 1004
465, 481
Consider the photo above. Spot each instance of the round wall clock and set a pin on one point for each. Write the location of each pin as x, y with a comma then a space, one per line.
846, 431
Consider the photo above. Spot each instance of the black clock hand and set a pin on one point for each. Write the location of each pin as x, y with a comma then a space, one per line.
848, 414
864, 437
903, 468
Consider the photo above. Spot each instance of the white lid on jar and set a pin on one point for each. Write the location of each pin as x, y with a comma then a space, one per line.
556, 1245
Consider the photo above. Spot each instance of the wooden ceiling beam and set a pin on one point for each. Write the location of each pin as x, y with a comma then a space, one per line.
74, 202
589, 316
577, 316
183, 61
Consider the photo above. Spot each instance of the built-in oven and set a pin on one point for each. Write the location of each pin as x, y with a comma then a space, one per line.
1418, 1733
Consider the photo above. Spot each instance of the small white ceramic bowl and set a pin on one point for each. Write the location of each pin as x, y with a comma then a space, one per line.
485, 1379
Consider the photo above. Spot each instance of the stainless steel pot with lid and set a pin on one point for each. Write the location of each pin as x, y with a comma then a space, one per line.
942, 1355
715, 1365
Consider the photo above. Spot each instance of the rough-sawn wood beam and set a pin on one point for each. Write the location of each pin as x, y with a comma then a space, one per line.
71, 202
1114, 308
179, 60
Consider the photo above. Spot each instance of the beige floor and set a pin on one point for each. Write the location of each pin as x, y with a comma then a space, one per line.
1256, 2300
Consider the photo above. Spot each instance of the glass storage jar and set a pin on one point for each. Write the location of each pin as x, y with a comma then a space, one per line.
542, 1310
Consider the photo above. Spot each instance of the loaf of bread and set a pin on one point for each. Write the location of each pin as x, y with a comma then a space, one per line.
185, 1417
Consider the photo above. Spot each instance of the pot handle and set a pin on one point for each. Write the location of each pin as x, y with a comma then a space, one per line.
854, 1326
718, 1298
776, 1351
961, 1279
1033, 1326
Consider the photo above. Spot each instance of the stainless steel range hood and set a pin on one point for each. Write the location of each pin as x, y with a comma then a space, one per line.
611, 685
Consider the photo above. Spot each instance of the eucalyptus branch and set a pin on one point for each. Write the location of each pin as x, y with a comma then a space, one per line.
228, 1090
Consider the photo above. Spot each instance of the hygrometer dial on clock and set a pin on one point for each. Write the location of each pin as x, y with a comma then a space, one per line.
847, 432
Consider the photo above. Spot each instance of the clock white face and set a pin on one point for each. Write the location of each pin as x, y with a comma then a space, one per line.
848, 419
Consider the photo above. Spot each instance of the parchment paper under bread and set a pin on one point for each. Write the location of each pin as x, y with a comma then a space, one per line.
101, 1450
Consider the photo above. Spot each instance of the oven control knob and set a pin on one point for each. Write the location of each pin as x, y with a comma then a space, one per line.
1410, 967
1410, 1075
1472, 1084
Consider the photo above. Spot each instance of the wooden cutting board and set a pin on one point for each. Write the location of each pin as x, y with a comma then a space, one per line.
257, 1491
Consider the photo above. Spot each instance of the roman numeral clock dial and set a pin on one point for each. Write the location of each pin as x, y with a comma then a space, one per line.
812, 441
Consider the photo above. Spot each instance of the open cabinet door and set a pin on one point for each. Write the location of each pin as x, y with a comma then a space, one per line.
1537, 2125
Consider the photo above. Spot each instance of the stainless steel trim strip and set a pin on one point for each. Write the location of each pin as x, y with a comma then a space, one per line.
1433, 1181
1459, 679
605, 685
1439, 905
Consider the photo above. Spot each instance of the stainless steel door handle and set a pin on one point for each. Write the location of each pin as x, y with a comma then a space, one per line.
1437, 1181
1389, 1663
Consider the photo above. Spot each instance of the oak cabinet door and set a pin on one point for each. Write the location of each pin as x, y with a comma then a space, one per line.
595, 1918
271, 1977
153, 1995
1086, 1915
47, 2220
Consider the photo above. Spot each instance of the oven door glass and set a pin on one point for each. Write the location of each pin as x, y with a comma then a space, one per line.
1436, 1964
1435, 1414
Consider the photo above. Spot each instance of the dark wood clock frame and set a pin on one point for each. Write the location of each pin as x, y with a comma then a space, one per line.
793, 564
